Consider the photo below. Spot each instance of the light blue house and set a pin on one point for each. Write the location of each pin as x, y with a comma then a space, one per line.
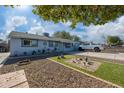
30, 44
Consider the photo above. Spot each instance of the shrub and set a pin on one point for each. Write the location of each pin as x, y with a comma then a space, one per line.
48, 50
43, 51
114, 40
25, 53
39, 51
55, 49
34, 52
15, 55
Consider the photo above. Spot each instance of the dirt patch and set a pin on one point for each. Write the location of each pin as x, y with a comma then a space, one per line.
93, 66
47, 74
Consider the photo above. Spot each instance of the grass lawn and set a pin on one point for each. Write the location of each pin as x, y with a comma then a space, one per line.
107, 71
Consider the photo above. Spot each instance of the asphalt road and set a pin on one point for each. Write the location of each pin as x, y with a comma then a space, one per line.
113, 56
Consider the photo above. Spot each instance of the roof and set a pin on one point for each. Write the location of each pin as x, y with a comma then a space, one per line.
4, 44
15, 34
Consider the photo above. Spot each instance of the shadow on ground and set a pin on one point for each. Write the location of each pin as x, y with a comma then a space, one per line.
32, 58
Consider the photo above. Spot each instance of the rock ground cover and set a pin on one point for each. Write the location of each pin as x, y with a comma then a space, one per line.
47, 74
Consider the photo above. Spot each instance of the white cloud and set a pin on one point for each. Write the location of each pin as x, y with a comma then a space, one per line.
18, 20
11, 24
2, 36
36, 28
47, 26
99, 33
35, 23
95, 33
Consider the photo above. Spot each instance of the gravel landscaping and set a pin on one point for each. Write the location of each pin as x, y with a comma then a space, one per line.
47, 74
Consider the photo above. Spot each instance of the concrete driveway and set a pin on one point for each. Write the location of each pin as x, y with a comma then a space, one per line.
116, 56
3, 57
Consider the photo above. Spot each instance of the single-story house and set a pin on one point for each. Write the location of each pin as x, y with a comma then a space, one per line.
29, 44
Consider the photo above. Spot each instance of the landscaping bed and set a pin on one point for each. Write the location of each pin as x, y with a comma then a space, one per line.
92, 66
48, 74
108, 71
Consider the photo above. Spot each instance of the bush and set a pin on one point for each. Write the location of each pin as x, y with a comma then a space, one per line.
39, 51
55, 49
34, 52
48, 50
114, 40
15, 55
25, 53
43, 51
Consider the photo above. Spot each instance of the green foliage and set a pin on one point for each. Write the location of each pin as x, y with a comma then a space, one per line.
96, 14
66, 35
62, 34
111, 72
114, 40
76, 38
107, 71
67, 57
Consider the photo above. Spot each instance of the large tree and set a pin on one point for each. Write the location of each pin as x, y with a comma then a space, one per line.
62, 34
66, 35
75, 38
114, 40
96, 14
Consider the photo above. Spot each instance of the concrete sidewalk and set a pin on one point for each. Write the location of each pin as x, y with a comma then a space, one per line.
117, 56
3, 57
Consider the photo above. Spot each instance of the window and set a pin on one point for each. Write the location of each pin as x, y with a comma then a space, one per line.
56, 44
50, 44
34, 43
26, 42
29, 43
86, 44
44, 43
67, 45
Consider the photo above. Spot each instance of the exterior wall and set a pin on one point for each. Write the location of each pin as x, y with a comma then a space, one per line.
17, 49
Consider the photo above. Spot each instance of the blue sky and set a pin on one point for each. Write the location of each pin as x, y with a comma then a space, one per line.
23, 20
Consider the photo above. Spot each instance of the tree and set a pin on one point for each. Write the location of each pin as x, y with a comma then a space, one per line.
76, 38
114, 40
66, 35
96, 14
62, 34
46, 34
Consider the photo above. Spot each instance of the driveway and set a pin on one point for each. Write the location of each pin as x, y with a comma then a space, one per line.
3, 57
116, 56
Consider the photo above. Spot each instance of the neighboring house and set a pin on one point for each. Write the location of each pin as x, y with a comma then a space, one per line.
1, 40
3, 46
30, 44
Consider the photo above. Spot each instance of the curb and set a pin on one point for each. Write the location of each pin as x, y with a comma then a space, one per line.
87, 74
